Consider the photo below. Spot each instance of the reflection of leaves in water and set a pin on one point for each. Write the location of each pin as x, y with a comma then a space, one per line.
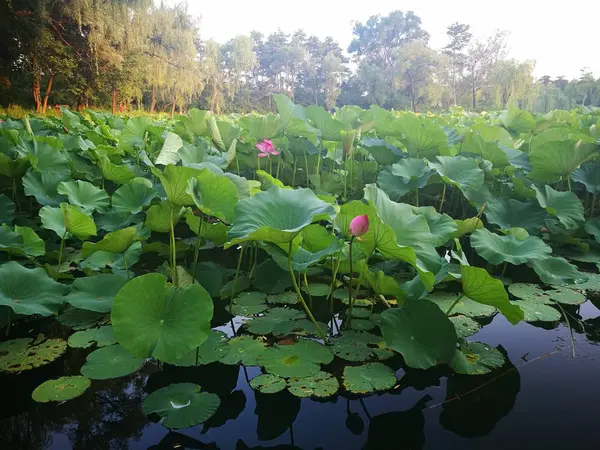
177, 440
421, 379
592, 330
241, 445
405, 429
25, 432
477, 413
231, 407
276, 413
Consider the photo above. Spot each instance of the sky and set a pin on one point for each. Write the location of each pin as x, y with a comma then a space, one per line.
562, 40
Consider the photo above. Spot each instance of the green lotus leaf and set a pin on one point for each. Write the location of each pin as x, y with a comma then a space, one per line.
174, 180
215, 232
10, 240
101, 337
564, 205
274, 316
301, 359
397, 187
109, 362
316, 289
260, 126
320, 385
158, 217
48, 160
210, 276
459, 171
120, 174
420, 332
18, 355
464, 326
385, 285
196, 121
588, 175
464, 227
152, 318
360, 346
533, 292
478, 285
421, 137
85, 195
248, 303
267, 383
331, 129
113, 221
369, 378
476, 358
592, 226
362, 325
556, 159
285, 298
7, 210
497, 249
95, 293
240, 285
442, 226
133, 197
301, 327
342, 295
80, 319
536, 311
29, 291
67, 221
61, 389
133, 134
117, 261
592, 283
382, 152
245, 350
516, 119
511, 213
215, 195
277, 215
465, 305
114, 242
557, 271
168, 153
43, 186
33, 245
361, 313
214, 349
489, 151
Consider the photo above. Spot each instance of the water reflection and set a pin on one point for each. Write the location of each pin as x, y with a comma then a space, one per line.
276, 414
174, 440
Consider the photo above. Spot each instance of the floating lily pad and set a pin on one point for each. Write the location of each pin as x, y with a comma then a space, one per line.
102, 337
592, 283
214, 349
244, 350
321, 384
248, 303
464, 326
360, 346
476, 358
18, 355
301, 359
95, 293
533, 292
302, 327
181, 405
362, 325
268, 383
61, 389
536, 311
369, 378
361, 313
80, 319
342, 294
465, 306
274, 316
286, 298
113, 361
317, 289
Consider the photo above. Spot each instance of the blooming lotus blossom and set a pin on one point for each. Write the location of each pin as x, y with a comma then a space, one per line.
359, 225
266, 149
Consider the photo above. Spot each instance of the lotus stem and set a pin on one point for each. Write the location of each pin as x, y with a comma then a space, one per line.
197, 248
60, 253
237, 164
300, 297
126, 266
417, 196
335, 268
307, 290
593, 204
384, 301
306, 165
454, 304
350, 300
504, 268
278, 166
15, 196
237, 272
173, 249
568, 326
294, 173
254, 258
569, 182
443, 198
270, 166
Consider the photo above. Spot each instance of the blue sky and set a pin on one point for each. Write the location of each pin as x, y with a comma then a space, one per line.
560, 38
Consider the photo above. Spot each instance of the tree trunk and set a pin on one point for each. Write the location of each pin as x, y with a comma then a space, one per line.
37, 96
115, 97
48, 90
153, 100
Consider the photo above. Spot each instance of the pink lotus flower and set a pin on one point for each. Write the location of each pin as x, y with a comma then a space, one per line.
266, 149
359, 225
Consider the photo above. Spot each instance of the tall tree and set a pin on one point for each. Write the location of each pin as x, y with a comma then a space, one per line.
460, 37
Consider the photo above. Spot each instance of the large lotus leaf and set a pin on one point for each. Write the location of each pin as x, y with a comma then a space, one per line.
267, 383
67, 221
85, 195
285, 298
316, 289
516, 119
467, 226
421, 137
113, 221
109, 362
592, 226
116, 261
7, 210
18, 355
476, 358
396, 187
321, 385
29, 291
421, 332
465, 305
215, 232
101, 337
360, 346
48, 160
214, 349
61, 389
301, 327
181, 405
533, 292
301, 359
114, 242
168, 154
134, 132
9, 239
497, 249
369, 378
277, 215
274, 316
536, 311
564, 205
464, 326
260, 126
158, 217
133, 197
32, 245
556, 159
43, 186
174, 180
442, 226
323, 121
591, 284
557, 271
589, 176
245, 350
459, 171
120, 174
489, 151
410, 169
478, 285
215, 195
95, 293
152, 318
80, 319
511, 213
382, 152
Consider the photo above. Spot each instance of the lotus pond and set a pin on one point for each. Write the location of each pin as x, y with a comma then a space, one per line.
300, 279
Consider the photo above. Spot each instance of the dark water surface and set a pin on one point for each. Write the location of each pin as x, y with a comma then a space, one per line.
543, 399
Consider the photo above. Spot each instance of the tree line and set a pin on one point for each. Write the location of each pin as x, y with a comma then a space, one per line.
137, 54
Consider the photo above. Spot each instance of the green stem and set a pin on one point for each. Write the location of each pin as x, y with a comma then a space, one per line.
278, 166
335, 270
593, 204
307, 290
504, 268
173, 250
237, 272
417, 196
197, 248
350, 300
254, 258
126, 266
237, 164
294, 173
297, 289
257, 165
454, 304
306, 165
569, 182
60, 253
443, 198
568, 326
270, 166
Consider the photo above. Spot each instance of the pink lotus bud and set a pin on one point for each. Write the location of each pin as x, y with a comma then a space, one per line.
359, 225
